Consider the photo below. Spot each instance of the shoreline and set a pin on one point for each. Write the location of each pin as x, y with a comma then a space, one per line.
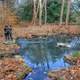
69, 73
45, 30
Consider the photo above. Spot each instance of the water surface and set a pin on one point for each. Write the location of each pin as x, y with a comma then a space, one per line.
42, 54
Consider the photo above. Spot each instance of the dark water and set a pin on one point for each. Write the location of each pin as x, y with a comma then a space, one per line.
42, 54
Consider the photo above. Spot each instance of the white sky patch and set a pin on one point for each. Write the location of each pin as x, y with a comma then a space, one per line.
72, 0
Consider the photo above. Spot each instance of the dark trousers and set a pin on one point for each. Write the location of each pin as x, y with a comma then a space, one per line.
10, 36
6, 36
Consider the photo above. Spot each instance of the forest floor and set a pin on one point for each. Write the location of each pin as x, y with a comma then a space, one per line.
51, 29
45, 30
13, 69
72, 73
69, 73
12, 66
28, 32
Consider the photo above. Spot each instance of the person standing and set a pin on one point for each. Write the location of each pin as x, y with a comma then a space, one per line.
10, 32
6, 32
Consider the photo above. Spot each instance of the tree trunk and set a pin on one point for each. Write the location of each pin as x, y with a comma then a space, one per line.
45, 11
40, 12
34, 12
62, 10
68, 12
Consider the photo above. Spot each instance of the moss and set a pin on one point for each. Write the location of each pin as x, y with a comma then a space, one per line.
27, 68
60, 79
23, 74
76, 54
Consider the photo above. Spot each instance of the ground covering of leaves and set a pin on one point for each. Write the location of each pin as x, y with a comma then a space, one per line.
13, 69
72, 73
25, 31
8, 48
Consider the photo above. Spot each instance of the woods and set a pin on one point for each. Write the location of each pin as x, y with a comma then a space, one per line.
62, 11
44, 11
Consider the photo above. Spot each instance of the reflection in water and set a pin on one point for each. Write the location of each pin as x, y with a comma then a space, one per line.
42, 54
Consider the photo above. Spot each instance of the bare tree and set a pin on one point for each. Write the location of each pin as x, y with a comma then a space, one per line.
62, 11
38, 6
34, 12
40, 12
68, 11
45, 1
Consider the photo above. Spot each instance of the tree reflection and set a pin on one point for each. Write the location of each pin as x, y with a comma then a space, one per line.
43, 52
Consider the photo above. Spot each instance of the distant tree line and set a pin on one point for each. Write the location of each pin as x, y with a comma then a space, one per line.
25, 11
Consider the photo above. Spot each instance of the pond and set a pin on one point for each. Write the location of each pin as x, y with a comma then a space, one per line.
42, 54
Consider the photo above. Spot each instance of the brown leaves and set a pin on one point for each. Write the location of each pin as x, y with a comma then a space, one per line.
10, 69
72, 73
